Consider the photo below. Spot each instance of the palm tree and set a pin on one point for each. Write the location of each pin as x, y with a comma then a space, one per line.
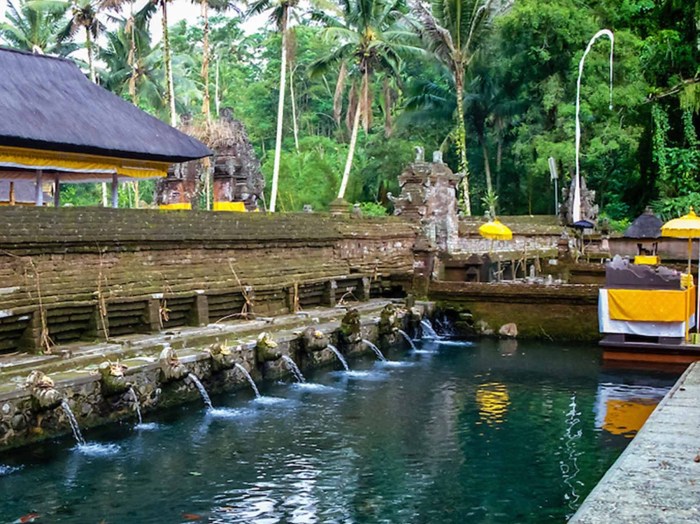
368, 39
453, 31
279, 15
34, 29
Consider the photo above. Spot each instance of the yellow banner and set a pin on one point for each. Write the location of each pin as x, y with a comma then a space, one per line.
230, 206
651, 305
78, 163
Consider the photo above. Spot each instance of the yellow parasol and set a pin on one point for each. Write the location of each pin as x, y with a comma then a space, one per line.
495, 230
687, 226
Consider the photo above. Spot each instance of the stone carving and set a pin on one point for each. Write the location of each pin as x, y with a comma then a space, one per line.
42, 390
170, 366
428, 197
351, 327
237, 174
112, 379
389, 320
314, 340
267, 349
589, 209
221, 357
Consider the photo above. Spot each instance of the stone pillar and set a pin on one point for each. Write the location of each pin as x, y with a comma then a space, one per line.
115, 190
423, 263
329, 296
199, 316
363, 292
38, 190
99, 325
57, 191
151, 317
31, 338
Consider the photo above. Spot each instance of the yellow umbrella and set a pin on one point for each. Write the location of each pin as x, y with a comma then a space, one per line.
687, 226
495, 230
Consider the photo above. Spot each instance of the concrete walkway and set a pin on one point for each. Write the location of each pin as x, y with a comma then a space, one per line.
657, 478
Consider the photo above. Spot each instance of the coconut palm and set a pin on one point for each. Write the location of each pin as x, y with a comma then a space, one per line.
280, 11
453, 31
34, 29
369, 38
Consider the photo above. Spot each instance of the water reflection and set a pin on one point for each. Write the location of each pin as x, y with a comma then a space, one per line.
493, 401
622, 409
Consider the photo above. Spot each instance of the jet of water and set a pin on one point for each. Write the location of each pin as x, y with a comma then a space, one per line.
428, 331
137, 404
249, 378
294, 369
408, 339
340, 356
203, 392
73, 423
577, 181
376, 350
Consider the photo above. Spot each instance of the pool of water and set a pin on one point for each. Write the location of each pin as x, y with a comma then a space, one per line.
491, 432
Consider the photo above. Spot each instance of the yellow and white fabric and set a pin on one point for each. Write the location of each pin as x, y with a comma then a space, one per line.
645, 312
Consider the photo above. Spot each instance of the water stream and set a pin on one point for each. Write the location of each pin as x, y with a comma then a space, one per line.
73, 423
376, 350
340, 356
137, 404
249, 378
428, 331
292, 366
200, 387
408, 339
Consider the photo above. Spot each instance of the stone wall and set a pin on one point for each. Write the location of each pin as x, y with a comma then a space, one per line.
75, 274
566, 312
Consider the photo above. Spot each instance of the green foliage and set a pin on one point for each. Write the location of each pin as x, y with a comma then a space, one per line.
372, 209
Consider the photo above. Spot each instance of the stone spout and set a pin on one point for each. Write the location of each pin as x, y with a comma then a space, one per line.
221, 356
389, 320
351, 327
267, 349
42, 390
170, 366
112, 379
314, 340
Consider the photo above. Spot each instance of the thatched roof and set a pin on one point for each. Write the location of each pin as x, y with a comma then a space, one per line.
646, 225
48, 103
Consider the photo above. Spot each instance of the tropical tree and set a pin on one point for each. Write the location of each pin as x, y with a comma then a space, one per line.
34, 29
453, 31
279, 15
368, 38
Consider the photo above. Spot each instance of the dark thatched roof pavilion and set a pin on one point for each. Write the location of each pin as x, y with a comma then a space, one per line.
56, 124
645, 226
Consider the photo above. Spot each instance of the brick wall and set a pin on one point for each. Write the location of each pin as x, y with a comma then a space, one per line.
85, 273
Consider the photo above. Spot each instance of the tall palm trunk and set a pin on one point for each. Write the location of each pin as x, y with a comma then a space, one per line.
170, 95
205, 60
280, 113
295, 124
91, 61
462, 139
132, 81
353, 139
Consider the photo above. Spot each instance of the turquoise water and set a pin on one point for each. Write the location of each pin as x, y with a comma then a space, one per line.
486, 433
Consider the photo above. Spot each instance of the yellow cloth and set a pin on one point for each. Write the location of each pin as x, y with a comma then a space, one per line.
648, 260
651, 305
230, 206
178, 205
75, 162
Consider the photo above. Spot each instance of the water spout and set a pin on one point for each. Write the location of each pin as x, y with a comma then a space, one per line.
249, 378
200, 387
376, 350
294, 369
408, 339
428, 331
137, 404
73, 423
576, 212
339, 355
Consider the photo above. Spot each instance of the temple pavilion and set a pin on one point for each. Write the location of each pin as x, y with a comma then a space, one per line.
57, 127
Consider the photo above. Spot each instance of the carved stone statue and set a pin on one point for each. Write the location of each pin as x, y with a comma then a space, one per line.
42, 390
170, 366
112, 379
350, 327
314, 340
267, 349
589, 209
221, 357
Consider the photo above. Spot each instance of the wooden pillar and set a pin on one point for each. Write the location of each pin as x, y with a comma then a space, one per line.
38, 192
115, 187
57, 191
12, 194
